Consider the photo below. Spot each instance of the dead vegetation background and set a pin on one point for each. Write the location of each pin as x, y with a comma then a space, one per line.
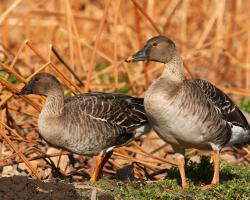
94, 37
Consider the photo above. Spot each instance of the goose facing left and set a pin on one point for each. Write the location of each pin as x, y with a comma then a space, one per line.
89, 123
189, 113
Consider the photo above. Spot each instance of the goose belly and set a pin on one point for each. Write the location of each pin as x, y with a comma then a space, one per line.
80, 137
178, 130
175, 126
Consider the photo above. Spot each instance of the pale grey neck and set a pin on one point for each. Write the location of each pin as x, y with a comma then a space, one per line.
54, 104
174, 69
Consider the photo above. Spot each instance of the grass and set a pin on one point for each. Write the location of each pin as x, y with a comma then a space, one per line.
245, 105
234, 185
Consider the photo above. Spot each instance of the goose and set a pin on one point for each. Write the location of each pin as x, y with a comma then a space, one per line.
189, 113
88, 124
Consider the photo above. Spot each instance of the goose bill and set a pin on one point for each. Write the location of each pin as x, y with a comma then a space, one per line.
26, 90
139, 56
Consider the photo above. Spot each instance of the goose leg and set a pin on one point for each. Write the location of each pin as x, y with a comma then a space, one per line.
181, 165
101, 159
216, 177
216, 160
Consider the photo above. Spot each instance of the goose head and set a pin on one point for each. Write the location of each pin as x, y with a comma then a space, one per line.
159, 49
41, 84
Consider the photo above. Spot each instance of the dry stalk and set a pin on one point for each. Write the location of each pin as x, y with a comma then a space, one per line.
98, 35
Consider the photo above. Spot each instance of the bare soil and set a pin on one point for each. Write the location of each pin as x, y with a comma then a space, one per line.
24, 188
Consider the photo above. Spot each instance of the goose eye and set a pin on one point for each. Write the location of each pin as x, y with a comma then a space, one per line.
155, 44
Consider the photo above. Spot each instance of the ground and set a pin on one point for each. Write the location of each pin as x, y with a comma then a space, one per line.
24, 188
235, 184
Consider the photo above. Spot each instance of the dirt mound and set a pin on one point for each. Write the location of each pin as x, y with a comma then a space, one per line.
23, 188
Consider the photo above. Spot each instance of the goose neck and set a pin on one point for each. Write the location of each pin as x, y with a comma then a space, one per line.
174, 69
54, 104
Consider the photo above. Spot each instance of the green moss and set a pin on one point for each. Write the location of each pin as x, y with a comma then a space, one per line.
234, 185
245, 105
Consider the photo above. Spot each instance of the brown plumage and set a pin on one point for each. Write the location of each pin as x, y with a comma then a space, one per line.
87, 124
189, 113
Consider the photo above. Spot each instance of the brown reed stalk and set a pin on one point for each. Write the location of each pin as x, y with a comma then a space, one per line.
247, 78
18, 54
131, 159
140, 151
98, 35
4, 15
31, 159
11, 130
114, 63
213, 41
70, 27
78, 43
10, 70
138, 27
5, 100
15, 90
169, 13
146, 16
66, 65
21, 155
100, 53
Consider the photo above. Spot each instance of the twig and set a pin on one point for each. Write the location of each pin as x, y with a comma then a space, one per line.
66, 65
93, 56
34, 158
9, 10
25, 160
147, 17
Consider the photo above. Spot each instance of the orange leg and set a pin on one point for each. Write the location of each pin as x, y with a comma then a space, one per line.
216, 178
181, 165
98, 168
216, 160
100, 162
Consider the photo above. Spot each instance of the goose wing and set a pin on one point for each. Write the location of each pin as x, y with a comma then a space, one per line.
229, 111
125, 111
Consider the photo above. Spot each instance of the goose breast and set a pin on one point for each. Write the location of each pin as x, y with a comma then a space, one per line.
184, 117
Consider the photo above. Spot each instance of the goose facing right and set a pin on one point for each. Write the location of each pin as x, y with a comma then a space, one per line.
189, 113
